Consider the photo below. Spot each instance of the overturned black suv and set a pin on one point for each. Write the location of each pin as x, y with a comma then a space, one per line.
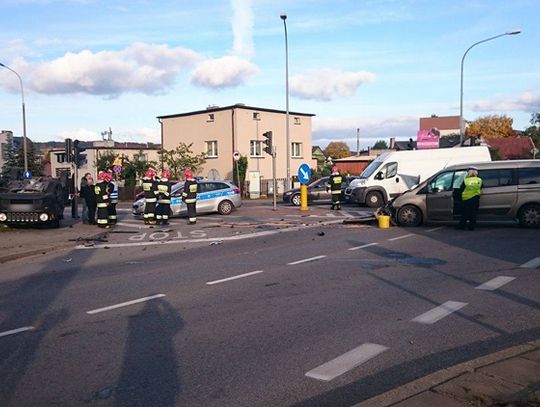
37, 201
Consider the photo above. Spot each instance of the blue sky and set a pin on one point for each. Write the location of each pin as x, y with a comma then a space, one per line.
377, 65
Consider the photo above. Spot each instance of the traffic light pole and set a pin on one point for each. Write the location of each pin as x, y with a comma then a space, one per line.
274, 177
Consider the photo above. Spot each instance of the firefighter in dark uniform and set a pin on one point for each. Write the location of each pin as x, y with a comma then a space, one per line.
334, 185
189, 196
101, 190
163, 192
470, 197
113, 196
149, 188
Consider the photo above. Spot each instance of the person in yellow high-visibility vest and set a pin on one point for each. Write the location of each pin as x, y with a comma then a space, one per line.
334, 185
470, 197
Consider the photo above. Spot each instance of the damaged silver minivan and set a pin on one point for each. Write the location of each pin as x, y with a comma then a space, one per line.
510, 191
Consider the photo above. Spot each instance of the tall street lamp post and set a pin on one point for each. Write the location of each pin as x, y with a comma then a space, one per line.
461, 122
23, 116
283, 16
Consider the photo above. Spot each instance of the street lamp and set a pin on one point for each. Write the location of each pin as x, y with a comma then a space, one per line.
283, 16
461, 123
23, 117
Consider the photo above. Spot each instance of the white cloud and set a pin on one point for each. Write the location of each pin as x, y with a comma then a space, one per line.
227, 71
327, 84
242, 26
526, 102
79, 134
136, 135
145, 68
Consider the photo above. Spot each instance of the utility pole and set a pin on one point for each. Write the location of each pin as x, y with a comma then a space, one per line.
357, 142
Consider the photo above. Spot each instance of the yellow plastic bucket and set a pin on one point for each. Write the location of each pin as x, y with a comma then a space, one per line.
384, 221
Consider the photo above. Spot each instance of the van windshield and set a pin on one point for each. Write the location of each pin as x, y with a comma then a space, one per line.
370, 169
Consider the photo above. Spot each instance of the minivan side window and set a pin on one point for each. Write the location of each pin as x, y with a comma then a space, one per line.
443, 182
495, 178
458, 179
529, 176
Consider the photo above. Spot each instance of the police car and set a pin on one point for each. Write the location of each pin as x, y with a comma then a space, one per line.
213, 196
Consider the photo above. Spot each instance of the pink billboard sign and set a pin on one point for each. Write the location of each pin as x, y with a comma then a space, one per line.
426, 139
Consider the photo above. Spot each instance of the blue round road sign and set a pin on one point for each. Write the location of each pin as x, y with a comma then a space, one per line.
304, 173
27, 174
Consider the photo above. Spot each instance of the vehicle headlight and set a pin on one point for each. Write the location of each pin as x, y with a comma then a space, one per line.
288, 193
3, 217
43, 217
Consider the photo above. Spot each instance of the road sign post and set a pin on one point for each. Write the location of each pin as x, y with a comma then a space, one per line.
304, 175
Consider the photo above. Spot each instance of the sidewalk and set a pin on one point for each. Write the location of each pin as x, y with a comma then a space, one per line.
510, 377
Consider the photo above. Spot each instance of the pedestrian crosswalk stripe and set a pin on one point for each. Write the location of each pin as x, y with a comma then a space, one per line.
495, 283
438, 313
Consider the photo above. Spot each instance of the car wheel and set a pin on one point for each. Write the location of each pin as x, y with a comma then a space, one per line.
374, 199
409, 216
529, 216
225, 207
295, 199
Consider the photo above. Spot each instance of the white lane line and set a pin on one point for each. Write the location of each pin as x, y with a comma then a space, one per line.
125, 304
495, 283
532, 264
346, 362
363, 246
434, 229
16, 331
306, 260
234, 277
401, 237
439, 312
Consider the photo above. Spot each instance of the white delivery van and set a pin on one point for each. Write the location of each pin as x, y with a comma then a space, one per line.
393, 173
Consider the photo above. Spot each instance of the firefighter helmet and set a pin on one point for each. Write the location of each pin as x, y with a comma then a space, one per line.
165, 174
188, 174
102, 176
149, 173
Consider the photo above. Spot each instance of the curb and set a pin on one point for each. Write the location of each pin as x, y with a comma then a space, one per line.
426, 383
29, 253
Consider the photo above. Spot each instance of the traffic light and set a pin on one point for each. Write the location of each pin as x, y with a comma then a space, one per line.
268, 142
78, 158
68, 147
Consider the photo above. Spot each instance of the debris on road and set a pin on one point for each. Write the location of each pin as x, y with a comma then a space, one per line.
217, 242
68, 260
320, 234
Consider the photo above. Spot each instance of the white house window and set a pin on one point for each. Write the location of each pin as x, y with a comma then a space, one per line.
296, 150
211, 149
255, 148
210, 117
256, 116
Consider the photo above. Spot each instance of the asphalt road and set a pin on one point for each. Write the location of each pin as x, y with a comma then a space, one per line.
315, 314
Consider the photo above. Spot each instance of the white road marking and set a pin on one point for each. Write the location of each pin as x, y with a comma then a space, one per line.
306, 260
347, 214
434, 229
532, 264
495, 283
124, 304
16, 331
439, 312
361, 247
401, 237
346, 362
204, 240
234, 277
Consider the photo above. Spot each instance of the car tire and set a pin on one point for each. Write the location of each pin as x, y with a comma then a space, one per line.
409, 216
374, 199
529, 216
225, 207
295, 199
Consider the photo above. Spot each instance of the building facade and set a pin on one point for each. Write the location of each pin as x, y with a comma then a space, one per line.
220, 131
446, 125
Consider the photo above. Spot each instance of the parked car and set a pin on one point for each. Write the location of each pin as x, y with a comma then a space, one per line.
316, 191
510, 191
213, 196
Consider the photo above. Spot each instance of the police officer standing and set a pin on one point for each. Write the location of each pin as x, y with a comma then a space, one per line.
102, 199
470, 197
189, 196
149, 187
334, 185
113, 196
163, 192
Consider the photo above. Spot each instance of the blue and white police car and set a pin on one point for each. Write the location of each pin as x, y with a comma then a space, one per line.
213, 196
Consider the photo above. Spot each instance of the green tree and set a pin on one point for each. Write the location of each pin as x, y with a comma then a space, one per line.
533, 131
105, 161
242, 165
380, 145
34, 162
337, 149
181, 158
11, 163
134, 169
